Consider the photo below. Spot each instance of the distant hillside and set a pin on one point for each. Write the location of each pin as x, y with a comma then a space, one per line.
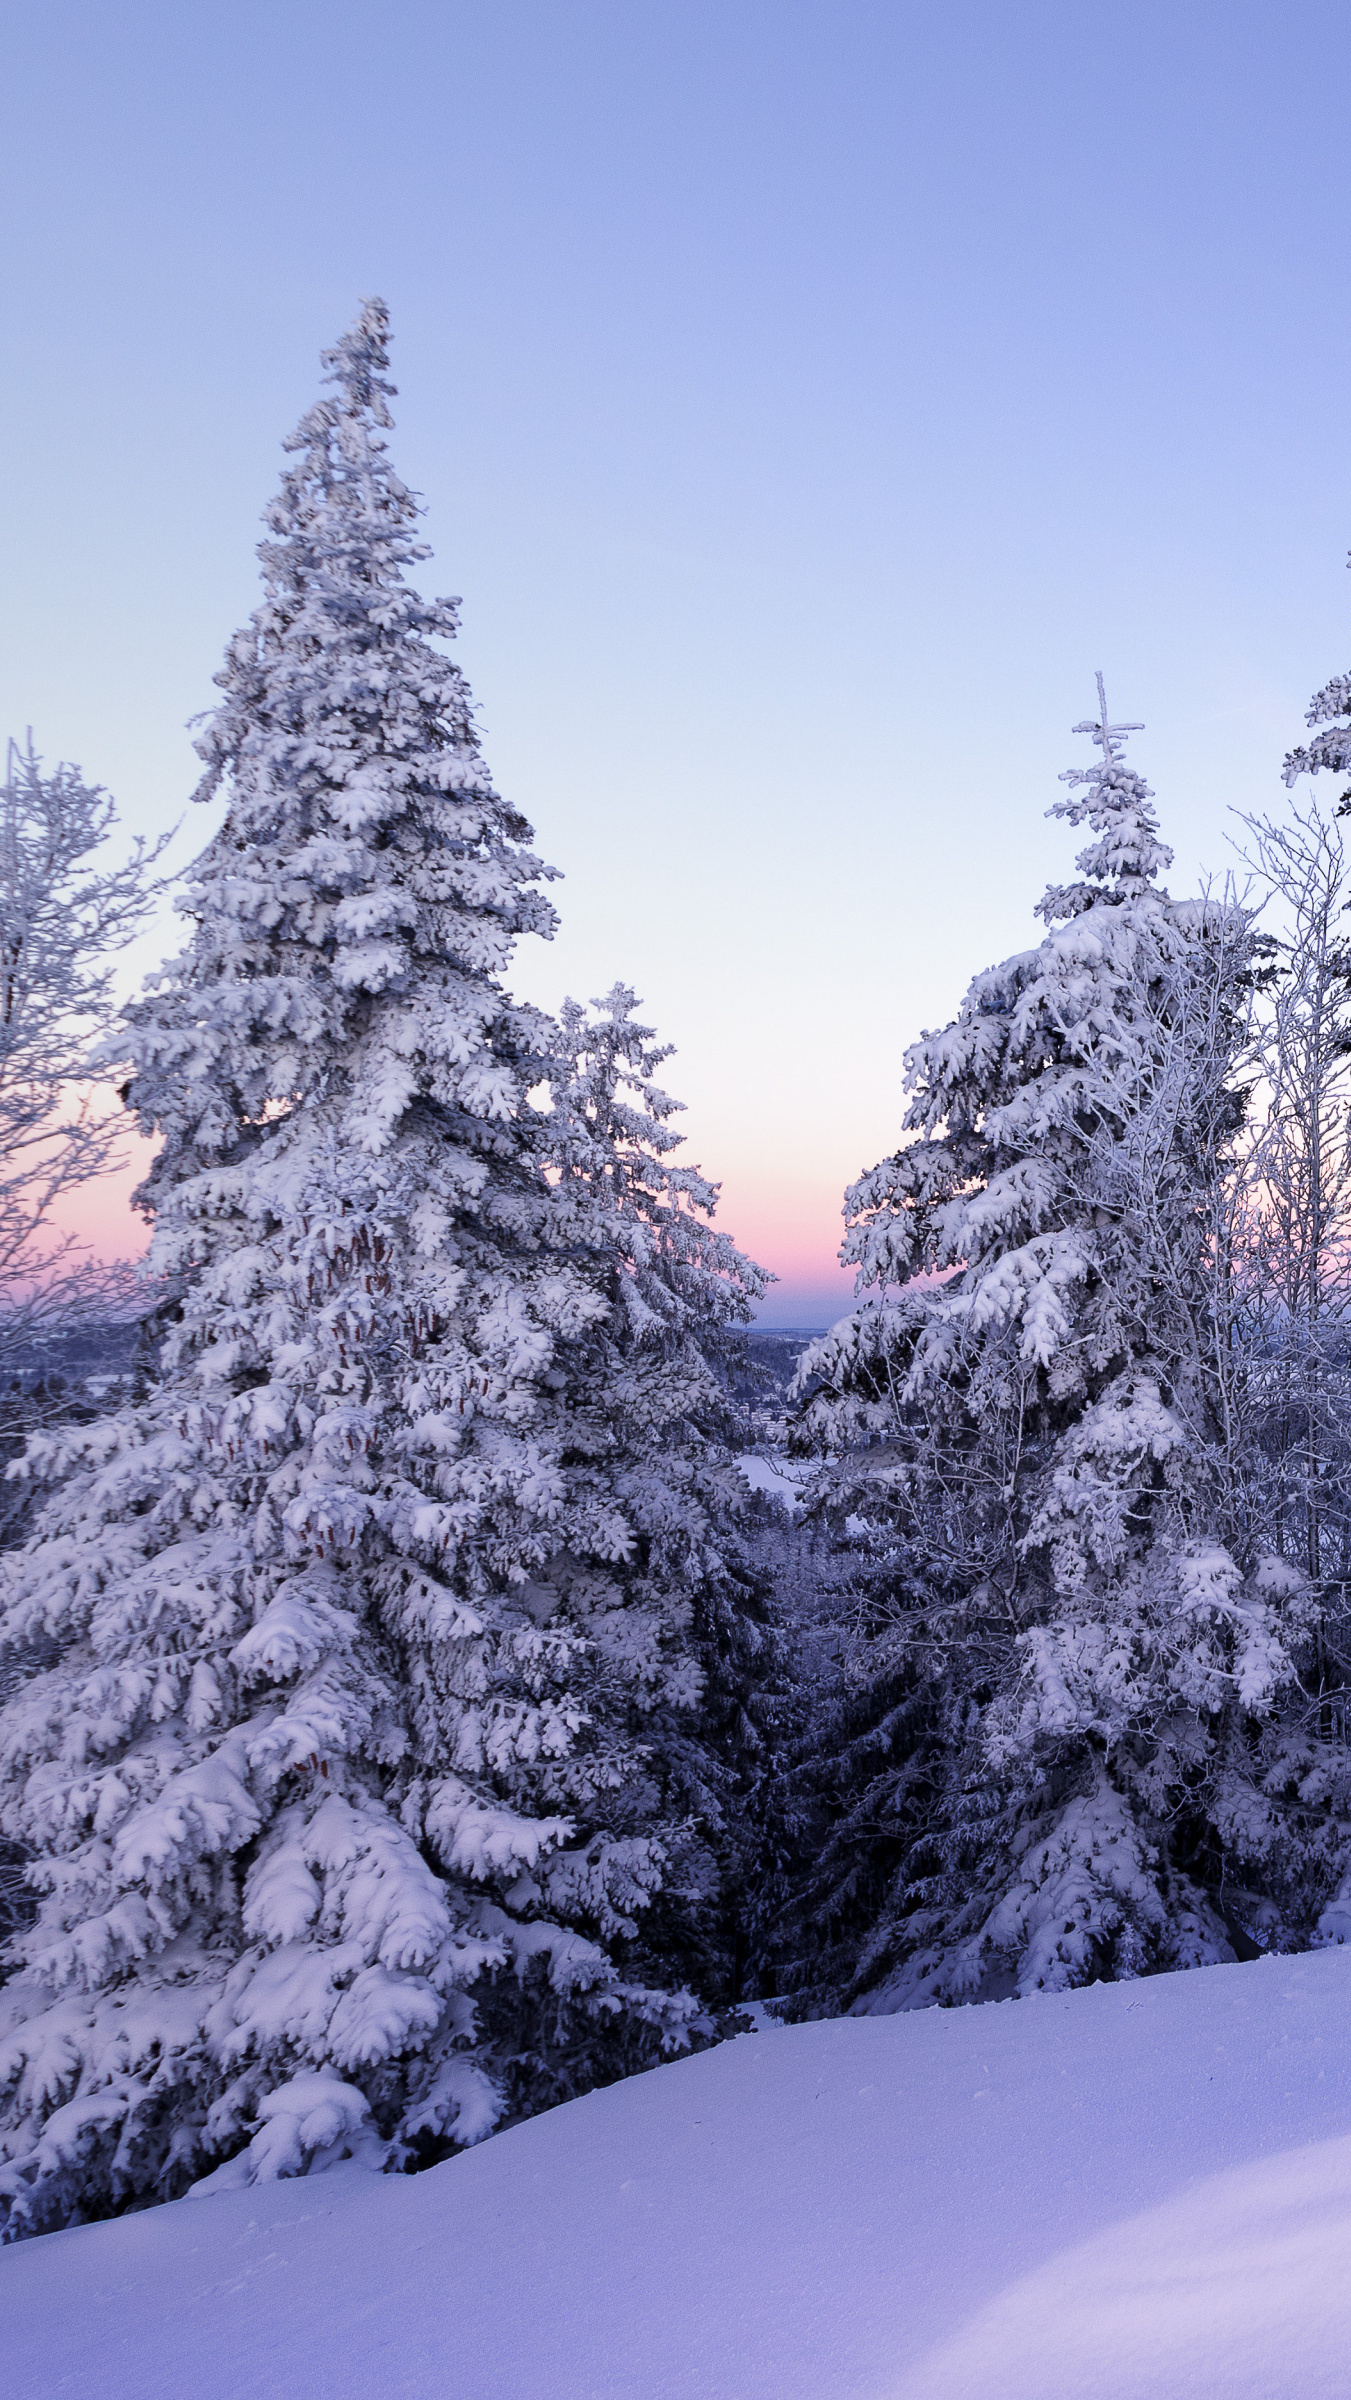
100, 1348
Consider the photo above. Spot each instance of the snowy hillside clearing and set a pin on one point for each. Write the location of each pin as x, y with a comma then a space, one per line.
776, 1475
1142, 2188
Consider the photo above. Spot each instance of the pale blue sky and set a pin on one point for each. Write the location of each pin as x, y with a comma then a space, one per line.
808, 400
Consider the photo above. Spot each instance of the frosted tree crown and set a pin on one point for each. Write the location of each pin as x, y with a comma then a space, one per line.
1118, 804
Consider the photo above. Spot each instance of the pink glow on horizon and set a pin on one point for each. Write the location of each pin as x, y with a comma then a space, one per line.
795, 1227
793, 1232
101, 1216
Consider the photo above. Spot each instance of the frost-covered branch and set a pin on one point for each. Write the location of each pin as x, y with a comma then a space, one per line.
64, 917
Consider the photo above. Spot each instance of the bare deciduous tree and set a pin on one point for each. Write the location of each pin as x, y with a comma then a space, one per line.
64, 916
1298, 1265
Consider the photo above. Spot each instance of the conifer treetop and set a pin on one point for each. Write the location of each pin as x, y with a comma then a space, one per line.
1045, 1045
1331, 748
1117, 803
357, 909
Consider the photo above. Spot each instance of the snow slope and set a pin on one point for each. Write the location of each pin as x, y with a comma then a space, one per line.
775, 1476
1138, 2189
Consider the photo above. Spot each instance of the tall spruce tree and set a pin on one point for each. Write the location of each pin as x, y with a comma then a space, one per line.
338, 1790
1066, 1622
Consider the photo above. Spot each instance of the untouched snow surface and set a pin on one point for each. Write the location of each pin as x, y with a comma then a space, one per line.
1141, 2189
775, 1476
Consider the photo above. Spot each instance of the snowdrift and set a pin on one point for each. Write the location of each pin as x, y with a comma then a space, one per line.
1140, 2189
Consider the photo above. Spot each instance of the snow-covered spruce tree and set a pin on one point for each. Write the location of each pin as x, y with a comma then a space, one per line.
1072, 1634
337, 1791
654, 1421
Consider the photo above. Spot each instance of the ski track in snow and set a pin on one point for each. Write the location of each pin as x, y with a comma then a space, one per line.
1136, 2190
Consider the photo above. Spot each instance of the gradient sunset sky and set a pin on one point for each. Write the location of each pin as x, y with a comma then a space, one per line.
807, 400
